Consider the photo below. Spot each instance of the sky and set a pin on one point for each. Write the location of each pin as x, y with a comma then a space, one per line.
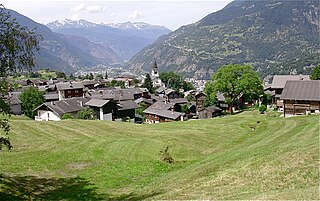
169, 13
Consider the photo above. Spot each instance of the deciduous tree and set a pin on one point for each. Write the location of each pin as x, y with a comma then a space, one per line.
234, 80
18, 45
315, 75
30, 99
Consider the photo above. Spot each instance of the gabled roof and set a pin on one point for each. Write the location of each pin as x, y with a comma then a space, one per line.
161, 106
212, 109
279, 81
161, 89
301, 90
97, 102
139, 100
69, 85
164, 113
127, 105
65, 106
178, 101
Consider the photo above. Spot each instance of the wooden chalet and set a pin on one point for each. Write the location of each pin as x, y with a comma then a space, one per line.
301, 97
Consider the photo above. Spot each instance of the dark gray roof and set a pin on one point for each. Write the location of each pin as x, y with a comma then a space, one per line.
160, 89
51, 96
127, 105
65, 106
97, 102
13, 98
161, 106
68, 85
279, 81
212, 109
164, 113
301, 90
178, 101
139, 100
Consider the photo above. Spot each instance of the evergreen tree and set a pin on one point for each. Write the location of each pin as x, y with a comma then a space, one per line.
148, 83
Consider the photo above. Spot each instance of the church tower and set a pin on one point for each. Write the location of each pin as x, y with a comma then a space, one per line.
155, 75
155, 70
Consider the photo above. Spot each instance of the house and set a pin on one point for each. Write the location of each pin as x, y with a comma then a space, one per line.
301, 97
158, 116
162, 112
278, 84
14, 103
54, 111
90, 84
209, 112
104, 108
70, 89
126, 110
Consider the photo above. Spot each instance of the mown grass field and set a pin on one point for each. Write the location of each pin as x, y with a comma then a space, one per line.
233, 157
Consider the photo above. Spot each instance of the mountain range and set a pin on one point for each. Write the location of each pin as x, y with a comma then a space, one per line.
82, 44
275, 37
125, 39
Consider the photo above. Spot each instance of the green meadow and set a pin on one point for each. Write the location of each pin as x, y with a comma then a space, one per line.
243, 156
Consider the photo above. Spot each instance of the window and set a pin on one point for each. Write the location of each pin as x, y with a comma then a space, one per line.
76, 91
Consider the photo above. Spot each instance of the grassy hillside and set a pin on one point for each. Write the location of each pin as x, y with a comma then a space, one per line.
234, 157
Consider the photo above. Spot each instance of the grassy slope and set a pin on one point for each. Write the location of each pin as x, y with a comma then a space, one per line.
216, 159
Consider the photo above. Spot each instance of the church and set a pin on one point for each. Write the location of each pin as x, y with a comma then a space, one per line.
156, 81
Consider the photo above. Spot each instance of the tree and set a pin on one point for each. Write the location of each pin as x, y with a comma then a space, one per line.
86, 113
91, 77
315, 75
18, 45
175, 81
30, 99
148, 83
99, 77
233, 81
61, 74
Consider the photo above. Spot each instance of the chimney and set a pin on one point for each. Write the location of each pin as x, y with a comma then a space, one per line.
52, 103
301, 78
81, 104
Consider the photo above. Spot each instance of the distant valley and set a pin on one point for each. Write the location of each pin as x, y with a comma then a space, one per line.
125, 39
72, 45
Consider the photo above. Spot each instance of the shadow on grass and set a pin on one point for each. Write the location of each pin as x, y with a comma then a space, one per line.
35, 188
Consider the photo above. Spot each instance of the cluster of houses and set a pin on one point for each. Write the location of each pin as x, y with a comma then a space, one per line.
292, 94
295, 94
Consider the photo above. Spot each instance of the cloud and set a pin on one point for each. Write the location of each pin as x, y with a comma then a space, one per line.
89, 9
78, 7
95, 9
135, 15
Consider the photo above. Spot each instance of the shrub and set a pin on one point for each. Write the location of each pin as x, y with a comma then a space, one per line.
262, 109
86, 113
67, 116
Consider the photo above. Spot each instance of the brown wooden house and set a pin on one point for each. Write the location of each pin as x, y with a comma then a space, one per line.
70, 90
301, 97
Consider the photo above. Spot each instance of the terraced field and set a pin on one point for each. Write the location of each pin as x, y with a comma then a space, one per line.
244, 156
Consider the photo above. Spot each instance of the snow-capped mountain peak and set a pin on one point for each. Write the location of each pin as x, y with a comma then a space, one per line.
67, 23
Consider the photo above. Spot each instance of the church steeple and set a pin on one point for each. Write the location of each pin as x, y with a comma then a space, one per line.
154, 64
154, 72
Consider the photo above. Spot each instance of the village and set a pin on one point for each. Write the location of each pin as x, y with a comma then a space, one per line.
288, 94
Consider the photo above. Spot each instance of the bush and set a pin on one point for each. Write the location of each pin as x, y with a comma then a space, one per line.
86, 113
67, 116
262, 109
